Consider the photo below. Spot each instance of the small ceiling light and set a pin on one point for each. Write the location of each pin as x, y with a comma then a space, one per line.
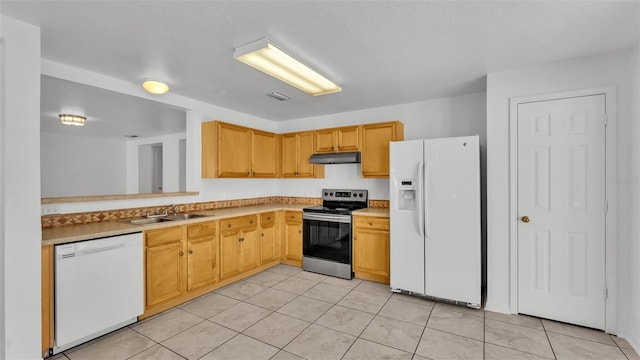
75, 120
266, 57
155, 87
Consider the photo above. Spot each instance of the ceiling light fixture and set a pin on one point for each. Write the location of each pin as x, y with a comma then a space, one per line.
266, 57
75, 120
155, 87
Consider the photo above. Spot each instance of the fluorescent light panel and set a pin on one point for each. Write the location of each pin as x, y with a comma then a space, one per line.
69, 119
266, 57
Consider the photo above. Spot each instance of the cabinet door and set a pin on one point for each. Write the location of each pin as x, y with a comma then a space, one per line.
305, 150
293, 236
230, 261
202, 262
289, 155
250, 248
47, 298
165, 272
269, 250
348, 138
325, 141
375, 147
371, 254
233, 151
263, 154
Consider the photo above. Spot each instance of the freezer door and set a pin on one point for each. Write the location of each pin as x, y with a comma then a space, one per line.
406, 215
452, 219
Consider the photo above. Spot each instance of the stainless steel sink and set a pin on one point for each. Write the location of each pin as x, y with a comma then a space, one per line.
146, 221
166, 218
183, 216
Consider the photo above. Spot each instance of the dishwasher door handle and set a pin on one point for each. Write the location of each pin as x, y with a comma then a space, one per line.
97, 250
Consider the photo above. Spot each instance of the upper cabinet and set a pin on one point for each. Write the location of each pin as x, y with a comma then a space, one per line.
375, 147
342, 139
297, 148
231, 151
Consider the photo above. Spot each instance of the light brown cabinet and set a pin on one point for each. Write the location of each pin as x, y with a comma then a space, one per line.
239, 247
292, 252
47, 298
375, 147
297, 148
371, 248
179, 259
232, 151
165, 262
342, 139
269, 238
202, 255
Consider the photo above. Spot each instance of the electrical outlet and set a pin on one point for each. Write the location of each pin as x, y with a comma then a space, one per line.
50, 210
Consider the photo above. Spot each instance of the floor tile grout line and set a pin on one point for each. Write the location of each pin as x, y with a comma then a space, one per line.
511, 323
581, 338
415, 352
549, 340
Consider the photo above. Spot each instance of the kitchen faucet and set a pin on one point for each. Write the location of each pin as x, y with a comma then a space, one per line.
163, 212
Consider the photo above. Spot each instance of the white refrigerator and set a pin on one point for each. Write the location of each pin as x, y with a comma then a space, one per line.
435, 218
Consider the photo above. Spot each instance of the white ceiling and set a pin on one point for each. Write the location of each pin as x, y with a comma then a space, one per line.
380, 52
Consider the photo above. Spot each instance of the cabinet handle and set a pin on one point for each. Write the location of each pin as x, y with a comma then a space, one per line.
299, 231
250, 221
181, 253
370, 223
262, 234
190, 251
268, 217
228, 225
241, 239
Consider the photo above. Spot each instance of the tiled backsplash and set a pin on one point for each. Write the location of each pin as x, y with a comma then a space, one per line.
58, 220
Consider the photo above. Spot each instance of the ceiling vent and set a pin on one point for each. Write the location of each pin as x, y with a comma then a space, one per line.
279, 96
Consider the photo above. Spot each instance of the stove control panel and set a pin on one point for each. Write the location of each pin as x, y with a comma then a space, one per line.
345, 195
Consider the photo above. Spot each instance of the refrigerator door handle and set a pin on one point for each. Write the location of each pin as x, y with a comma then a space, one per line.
421, 199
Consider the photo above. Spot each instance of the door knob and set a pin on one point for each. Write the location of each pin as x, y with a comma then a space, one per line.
525, 219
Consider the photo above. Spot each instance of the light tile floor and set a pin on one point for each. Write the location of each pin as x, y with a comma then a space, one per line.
285, 313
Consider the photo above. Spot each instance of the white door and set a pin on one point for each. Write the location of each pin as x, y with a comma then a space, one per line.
561, 210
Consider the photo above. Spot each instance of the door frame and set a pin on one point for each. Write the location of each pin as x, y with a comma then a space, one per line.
611, 189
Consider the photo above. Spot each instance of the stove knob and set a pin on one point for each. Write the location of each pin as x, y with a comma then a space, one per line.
360, 195
330, 194
354, 194
325, 194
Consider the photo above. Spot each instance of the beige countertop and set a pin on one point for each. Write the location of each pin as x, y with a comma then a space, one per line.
67, 234
377, 212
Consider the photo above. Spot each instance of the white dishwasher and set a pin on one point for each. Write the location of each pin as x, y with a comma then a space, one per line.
98, 288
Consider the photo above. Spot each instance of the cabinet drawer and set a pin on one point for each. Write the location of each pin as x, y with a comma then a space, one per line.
201, 229
369, 222
267, 218
293, 216
238, 222
163, 236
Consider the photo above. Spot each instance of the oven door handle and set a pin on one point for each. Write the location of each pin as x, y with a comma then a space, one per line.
327, 217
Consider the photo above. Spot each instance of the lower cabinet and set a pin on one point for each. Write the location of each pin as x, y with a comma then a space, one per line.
239, 247
47, 299
269, 238
371, 248
165, 264
292, 253
179, 259
202, 256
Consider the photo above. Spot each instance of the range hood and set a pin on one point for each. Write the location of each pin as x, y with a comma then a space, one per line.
336, 158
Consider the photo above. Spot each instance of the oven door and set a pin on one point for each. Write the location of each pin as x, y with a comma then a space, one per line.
326, 237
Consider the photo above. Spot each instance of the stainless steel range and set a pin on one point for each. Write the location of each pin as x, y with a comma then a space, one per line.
326, 238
